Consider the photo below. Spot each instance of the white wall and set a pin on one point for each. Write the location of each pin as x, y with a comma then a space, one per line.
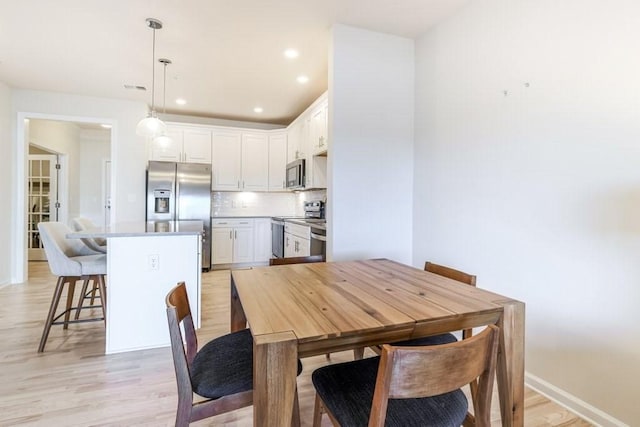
538, 192
95, 149
370, 144
6, 181
129, 151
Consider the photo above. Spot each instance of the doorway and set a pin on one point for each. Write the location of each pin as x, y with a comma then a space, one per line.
42, 188
75, 141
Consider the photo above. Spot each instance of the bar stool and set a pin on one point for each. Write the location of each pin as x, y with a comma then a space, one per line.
96, 244
70, 260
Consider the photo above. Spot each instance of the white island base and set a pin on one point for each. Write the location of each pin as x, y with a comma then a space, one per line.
142, 267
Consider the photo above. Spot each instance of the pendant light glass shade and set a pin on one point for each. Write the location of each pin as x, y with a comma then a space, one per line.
152, 126
162, 141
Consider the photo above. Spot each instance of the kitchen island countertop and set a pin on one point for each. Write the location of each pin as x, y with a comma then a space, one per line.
147, 229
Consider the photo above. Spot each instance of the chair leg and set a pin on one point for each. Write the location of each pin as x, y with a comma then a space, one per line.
52, 312
358, 353
103, 295
317, 412
85, 284
93, 292
67, 313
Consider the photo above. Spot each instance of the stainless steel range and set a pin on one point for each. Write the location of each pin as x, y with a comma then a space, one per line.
313, 217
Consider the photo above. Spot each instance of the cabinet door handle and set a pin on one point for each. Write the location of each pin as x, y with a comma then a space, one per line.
236, 234
230, 234
242, 184
238, 183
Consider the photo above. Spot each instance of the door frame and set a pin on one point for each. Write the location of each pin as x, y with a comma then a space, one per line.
19, 258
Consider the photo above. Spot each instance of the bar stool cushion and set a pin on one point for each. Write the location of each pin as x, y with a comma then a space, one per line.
224, 366
347, 391
91, 264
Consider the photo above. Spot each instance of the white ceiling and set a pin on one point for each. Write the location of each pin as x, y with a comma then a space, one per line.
227, 54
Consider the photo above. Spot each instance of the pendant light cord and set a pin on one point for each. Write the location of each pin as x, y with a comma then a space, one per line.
153, 72
164, 90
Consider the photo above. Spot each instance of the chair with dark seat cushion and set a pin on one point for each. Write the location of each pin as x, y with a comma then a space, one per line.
410, 386
449, 273
222, 371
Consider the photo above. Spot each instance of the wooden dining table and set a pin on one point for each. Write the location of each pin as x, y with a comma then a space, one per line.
300, 310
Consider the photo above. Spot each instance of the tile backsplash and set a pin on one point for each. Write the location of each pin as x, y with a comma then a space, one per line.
249, 203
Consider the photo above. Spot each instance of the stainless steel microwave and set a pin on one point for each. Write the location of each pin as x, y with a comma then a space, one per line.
295, 174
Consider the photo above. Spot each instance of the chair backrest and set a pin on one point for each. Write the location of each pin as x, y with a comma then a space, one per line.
296, 260
414, 372
80, 224
451, 273
179, 312
59, 249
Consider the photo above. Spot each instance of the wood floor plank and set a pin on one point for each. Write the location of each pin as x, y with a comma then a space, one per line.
74, 384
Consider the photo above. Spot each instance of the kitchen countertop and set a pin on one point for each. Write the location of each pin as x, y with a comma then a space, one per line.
240, 216
311, 222
149, 228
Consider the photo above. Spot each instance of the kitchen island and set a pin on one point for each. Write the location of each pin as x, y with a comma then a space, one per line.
144, 261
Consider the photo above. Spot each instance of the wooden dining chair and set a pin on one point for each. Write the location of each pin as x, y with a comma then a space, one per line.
410, 386
451, 273
221, 371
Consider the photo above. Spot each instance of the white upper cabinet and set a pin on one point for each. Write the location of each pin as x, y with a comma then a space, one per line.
297, 136
255, 162
277, 161
319, 128
240, 160
189, 145
226, 166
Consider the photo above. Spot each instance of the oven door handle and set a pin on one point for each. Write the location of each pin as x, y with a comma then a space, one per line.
319, 237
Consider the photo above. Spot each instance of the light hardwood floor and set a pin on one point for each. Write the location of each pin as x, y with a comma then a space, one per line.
74, 384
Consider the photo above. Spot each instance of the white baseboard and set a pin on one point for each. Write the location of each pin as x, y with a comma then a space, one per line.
572, 403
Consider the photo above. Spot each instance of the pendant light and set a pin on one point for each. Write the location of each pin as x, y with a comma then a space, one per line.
152, 126
163, 140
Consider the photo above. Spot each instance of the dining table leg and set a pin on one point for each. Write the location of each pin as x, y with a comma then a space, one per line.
510, 368
275, 365
238, 318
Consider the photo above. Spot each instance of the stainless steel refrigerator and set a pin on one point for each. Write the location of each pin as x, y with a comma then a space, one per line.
181, 192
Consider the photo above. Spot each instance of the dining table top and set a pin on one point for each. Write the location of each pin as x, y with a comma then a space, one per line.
317, 301
301, 310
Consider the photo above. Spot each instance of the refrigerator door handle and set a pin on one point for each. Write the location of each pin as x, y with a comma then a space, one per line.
177, 199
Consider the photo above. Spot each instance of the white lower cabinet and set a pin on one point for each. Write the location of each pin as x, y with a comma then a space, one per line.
262, 239
232, 241
296, 240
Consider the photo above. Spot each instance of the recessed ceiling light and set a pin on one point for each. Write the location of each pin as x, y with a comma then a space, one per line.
105, 125
181, 101
291, 53
258, 110
302, 79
